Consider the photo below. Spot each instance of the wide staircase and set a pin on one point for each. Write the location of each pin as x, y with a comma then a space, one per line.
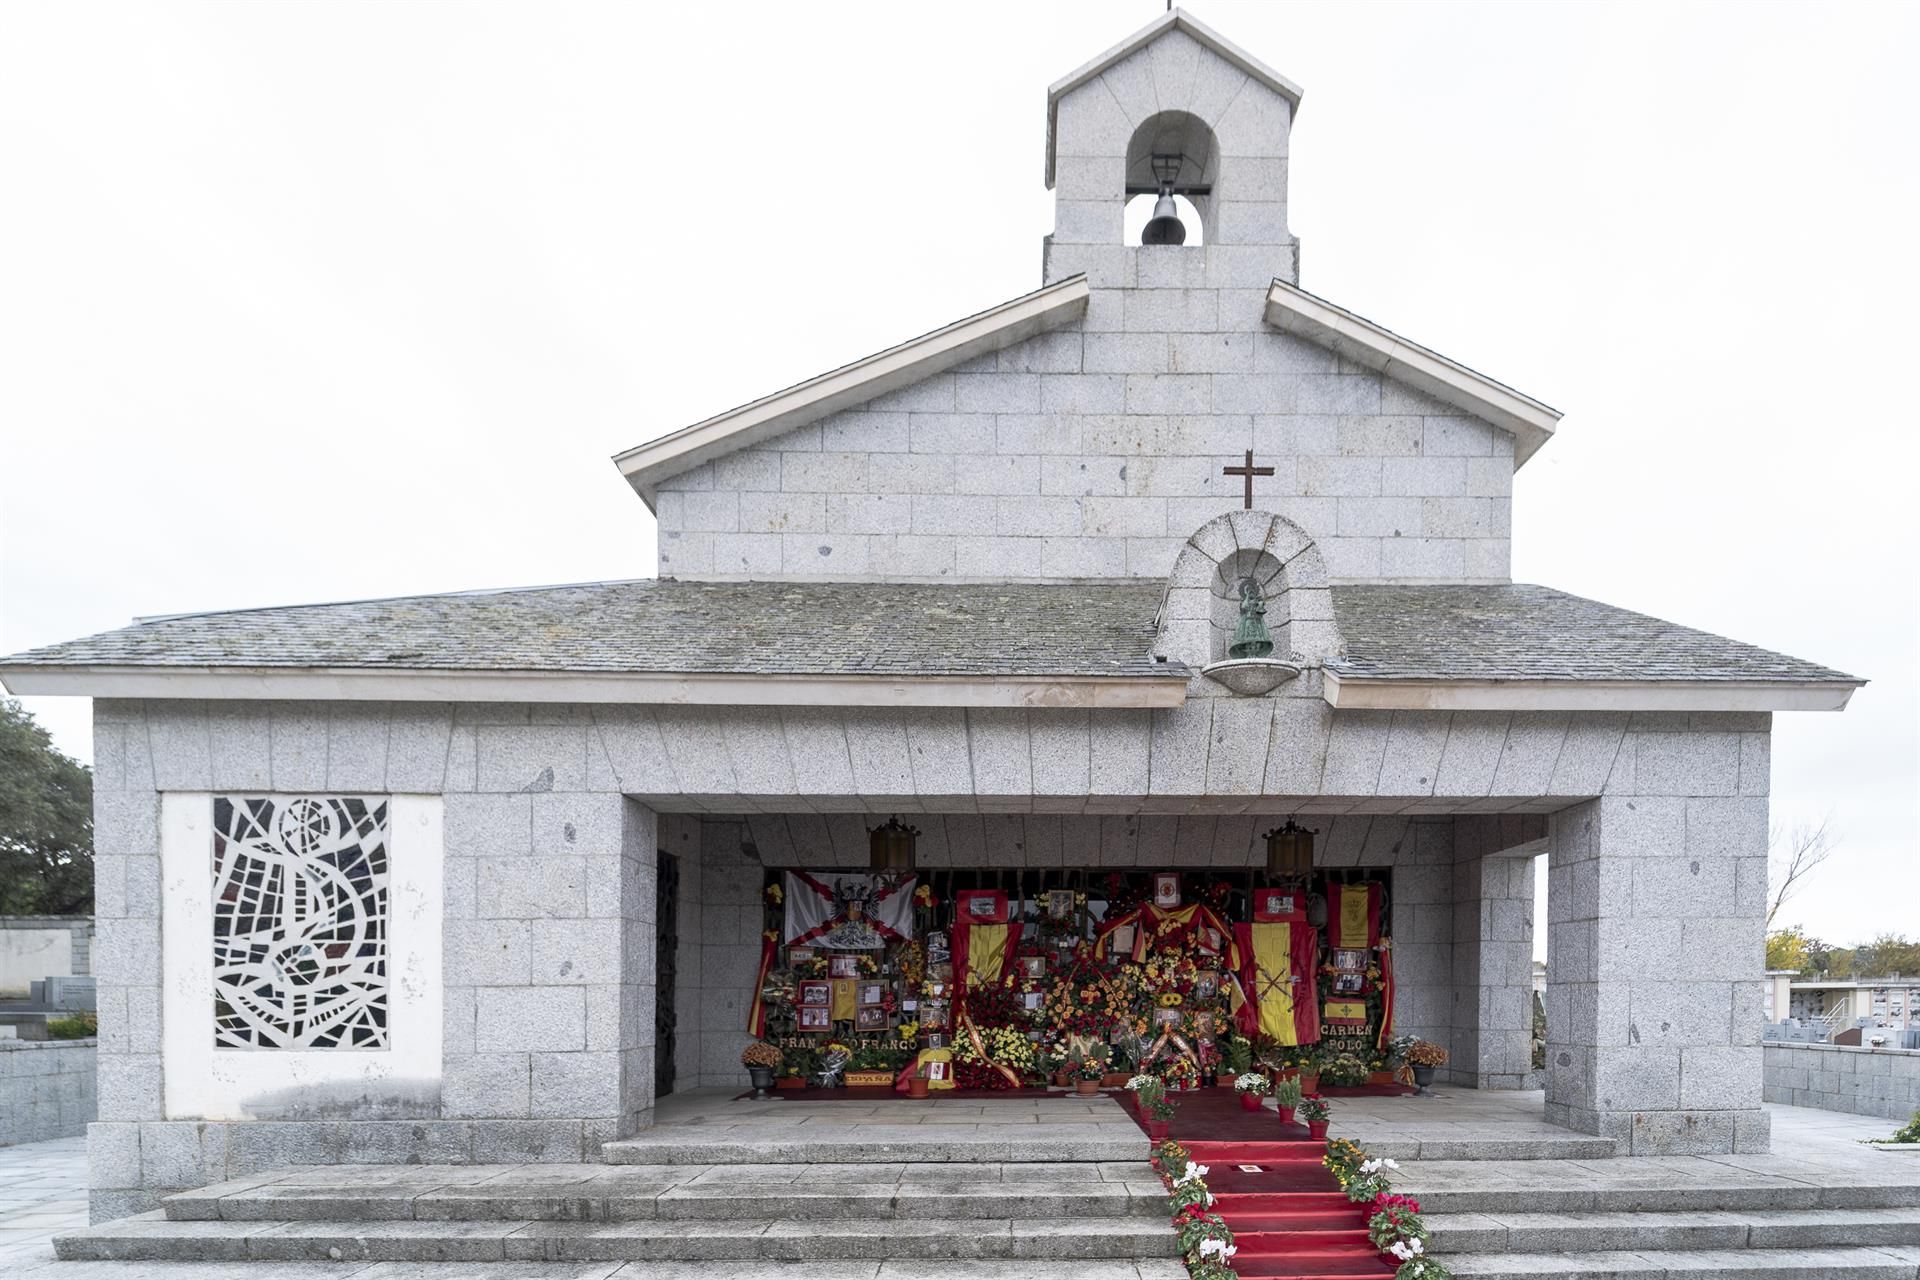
1062, 1220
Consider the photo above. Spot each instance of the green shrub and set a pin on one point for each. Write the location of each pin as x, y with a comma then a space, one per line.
79, 1026
1911, 1133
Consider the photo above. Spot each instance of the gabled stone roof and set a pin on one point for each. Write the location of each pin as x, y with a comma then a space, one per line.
765, 628
1523, 632
1414, 633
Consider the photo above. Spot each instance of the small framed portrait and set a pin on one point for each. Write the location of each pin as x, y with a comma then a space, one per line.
1059, 904
815, 1018
909, 1005
1203, 1025
1034, 967
1166, 1017
934, 1016
1120, 941
1166, 890
872, 992
843, 966
942, 972
815, 993
799, 955
984, 907
939, 950
1032, 999
934, 1041
937, 1070
1348, 958
871, 1018
1349, 983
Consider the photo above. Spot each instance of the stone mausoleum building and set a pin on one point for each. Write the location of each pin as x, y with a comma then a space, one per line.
1115, 576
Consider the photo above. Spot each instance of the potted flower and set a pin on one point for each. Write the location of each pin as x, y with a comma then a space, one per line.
1150, 1093
1423, 1056
1315, 1111
760, 1058
1089, 1070
1344, 1071
1393, 1220
1252, 1087
1180, 1073
917, 1083
1302, 1062
799, 1064
1286, 1096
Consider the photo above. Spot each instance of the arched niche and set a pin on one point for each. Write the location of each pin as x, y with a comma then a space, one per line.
1185, 148
1200, 611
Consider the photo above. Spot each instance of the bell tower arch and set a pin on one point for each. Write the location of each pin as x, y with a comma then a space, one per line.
1179, 113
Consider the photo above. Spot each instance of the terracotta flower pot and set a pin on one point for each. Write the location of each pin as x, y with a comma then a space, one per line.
1060, 1078
1157, 1131
790, 1082
1114, 1080
1310, 1083
1317, 1130
1087, 1088
917, 1086
1249, 1102
1286, 1115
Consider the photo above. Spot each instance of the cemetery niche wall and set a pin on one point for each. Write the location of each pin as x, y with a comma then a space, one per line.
1003, 980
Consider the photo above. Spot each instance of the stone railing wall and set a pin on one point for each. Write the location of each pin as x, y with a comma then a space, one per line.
1833, 1077
46, 1089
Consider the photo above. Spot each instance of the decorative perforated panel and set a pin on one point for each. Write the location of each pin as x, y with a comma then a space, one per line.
299, 922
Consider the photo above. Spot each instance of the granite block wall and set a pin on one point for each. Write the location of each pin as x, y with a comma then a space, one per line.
1835, 1077
47, 1089
1656, 909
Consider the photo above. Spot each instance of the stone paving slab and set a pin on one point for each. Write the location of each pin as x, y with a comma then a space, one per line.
1109, 1269
1749, 1264
1700, 1230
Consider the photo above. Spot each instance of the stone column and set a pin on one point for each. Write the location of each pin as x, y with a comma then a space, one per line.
1656, 920
1492, 1040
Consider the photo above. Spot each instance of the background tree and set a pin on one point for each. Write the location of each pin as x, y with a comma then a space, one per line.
1790, 948
1792, 853
46, 822
1886, 955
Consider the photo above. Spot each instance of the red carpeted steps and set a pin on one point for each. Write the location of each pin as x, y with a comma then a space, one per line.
1289, 1217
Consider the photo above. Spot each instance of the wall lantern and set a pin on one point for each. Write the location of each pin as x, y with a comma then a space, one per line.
891, 844
1290, 851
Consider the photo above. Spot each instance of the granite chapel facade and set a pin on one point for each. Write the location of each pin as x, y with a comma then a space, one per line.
993, 581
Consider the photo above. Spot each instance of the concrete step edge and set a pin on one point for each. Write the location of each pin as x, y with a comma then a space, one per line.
1865, 1263
1682, 1230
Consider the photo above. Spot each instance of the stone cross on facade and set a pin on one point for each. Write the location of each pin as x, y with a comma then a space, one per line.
1248, 470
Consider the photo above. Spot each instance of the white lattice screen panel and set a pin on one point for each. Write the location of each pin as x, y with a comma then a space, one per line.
300, 922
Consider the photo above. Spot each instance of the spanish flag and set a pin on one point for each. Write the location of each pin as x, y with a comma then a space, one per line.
1353, 916
1277, 974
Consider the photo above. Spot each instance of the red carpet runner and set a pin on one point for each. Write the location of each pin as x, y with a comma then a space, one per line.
1289, 1217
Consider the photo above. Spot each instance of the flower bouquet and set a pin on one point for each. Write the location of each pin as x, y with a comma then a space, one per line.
1394, 1220
1344, 1071
1179, 1072
1252, 1087
1315, 1111
760, 1059
1423, 1056
1088, 1070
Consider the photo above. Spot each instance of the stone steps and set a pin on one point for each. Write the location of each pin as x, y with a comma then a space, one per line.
154, 1237
612, 1199
1863, 1263
1679, 1230
888, 1144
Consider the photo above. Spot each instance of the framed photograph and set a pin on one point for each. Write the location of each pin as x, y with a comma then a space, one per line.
799, 955
815, 993
871, 1018
872, 992
1120, 941
845, 966
1034, 967
934, 1017
939, 950
1274, 904
937, 1070
986, 908
1348, 958
1210, 941
1203, 1025
1032, 999
1166, 1017
1060, 904
1166, 890
909, 1005
934, 1041
1349, 983
815, 1018
942, 972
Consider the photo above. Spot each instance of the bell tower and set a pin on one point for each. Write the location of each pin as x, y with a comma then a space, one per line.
1177, 114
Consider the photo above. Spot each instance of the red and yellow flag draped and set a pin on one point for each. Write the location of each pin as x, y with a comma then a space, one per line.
1353, 916
1277, 960
757, 1010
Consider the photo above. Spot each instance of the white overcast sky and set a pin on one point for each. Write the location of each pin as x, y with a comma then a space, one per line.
316, 301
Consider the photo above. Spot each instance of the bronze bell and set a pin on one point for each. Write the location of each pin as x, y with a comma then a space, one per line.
1165, 226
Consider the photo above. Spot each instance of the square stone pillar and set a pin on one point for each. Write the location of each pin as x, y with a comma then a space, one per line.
1493, 875
1656, 922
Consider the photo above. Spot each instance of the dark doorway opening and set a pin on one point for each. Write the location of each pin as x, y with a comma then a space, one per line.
666, 952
